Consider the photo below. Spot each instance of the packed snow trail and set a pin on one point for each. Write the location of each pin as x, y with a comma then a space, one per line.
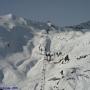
44, 48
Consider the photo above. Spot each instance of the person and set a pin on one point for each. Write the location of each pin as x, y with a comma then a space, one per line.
61, 72
58, 53
66, 58
49, 56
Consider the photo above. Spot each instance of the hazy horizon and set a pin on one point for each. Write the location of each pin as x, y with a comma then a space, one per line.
60, 12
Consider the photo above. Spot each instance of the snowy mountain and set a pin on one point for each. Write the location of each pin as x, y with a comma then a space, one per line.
82, 26
43, 56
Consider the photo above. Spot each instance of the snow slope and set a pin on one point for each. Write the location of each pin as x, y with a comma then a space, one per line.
42, 56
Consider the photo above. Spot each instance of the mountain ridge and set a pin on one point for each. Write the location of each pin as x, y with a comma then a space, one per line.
42, 56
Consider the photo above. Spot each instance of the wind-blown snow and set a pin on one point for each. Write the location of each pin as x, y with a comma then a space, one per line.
38, 56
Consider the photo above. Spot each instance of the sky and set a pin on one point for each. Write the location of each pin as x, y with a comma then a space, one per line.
59, 12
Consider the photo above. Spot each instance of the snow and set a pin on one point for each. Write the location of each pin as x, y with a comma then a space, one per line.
33, 59
10, 21
49, 23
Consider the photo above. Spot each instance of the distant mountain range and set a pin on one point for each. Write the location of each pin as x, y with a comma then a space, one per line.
85, 25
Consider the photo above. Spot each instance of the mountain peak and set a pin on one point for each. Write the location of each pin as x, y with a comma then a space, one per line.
10, 20
9, 16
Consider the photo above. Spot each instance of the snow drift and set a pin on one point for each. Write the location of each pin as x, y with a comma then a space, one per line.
42, 56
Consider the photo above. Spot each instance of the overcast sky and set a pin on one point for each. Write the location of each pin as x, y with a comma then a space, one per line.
60, 12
